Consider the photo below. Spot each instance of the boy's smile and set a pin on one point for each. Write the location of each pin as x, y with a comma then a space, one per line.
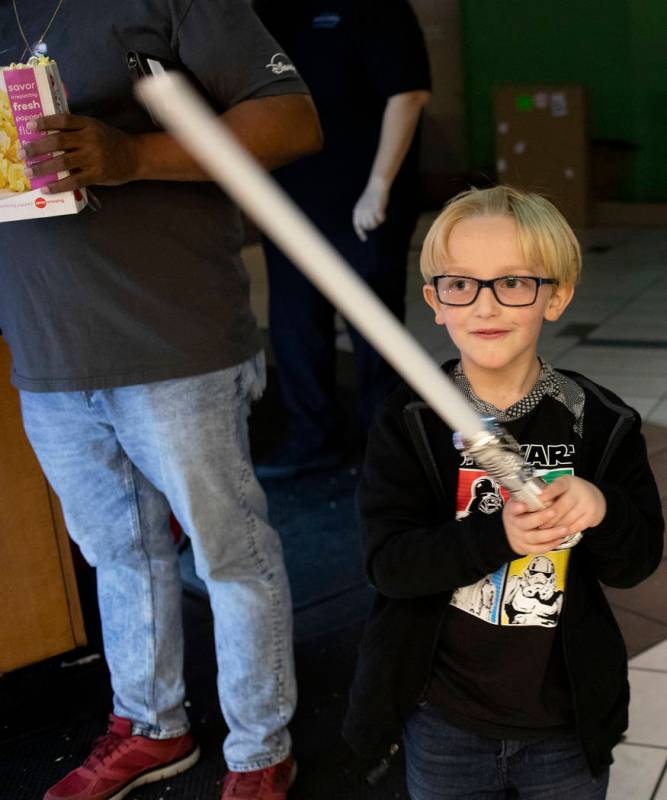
496, 342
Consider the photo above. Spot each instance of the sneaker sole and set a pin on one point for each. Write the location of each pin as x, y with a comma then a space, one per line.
166, 771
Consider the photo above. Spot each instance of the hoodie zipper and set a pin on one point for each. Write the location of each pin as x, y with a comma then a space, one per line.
612, 443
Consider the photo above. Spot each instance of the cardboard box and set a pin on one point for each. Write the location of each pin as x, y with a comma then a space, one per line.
27, 92
542, 145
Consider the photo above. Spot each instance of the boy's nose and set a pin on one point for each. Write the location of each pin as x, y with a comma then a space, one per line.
486, 304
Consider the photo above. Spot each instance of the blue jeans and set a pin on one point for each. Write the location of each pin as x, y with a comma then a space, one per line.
444, 761
118, 460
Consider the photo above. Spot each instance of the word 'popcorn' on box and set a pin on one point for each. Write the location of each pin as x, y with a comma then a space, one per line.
29, 91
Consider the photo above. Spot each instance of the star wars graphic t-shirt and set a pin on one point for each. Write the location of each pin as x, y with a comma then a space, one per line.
499, 668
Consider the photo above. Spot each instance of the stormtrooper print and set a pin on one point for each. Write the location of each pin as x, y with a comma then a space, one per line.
528, 591
532, 598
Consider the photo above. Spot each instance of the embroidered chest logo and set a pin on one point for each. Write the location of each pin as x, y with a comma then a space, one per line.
326, 20
279, 64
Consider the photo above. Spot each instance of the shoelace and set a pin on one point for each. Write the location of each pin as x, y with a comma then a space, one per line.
103, 747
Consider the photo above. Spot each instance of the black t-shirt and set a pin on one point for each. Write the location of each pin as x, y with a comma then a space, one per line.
354, 55
499, 668
151, 285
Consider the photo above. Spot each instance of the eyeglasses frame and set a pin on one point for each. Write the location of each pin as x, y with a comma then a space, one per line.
490, 284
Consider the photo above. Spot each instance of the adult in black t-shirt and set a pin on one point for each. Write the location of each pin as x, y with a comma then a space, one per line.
366, 65
137, 356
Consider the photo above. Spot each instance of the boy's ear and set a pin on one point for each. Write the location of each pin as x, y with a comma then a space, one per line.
560, 299
431, 300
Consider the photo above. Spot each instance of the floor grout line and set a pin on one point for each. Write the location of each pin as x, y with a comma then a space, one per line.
647, 669
660, 779
643, 744
620, 606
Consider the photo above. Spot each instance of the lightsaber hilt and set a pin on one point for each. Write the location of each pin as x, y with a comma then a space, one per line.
497, 452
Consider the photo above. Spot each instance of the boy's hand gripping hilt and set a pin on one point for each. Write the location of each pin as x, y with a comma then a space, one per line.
496, 451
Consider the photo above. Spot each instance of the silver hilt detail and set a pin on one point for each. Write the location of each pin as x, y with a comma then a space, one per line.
496, 451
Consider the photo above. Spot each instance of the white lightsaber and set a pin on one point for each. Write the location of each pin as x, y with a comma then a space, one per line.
173, 101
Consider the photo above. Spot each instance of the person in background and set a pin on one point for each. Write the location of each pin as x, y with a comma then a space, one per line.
491, 651
366, 65
137, 357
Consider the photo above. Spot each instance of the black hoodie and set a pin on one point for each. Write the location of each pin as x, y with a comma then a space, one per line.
417, 554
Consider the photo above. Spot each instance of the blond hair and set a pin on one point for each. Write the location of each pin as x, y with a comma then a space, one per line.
545, 238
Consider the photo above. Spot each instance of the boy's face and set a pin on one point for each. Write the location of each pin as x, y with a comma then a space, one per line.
491, 336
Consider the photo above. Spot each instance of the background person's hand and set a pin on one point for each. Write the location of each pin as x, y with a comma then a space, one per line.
369, 212
95, 153
577, 503
531, 532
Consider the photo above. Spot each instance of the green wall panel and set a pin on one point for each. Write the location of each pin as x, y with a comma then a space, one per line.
616, 48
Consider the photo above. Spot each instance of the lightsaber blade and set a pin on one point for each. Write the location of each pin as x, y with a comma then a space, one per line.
199, 130
176, 104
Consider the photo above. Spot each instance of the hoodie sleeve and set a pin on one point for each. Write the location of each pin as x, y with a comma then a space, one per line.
626, 547
413, 545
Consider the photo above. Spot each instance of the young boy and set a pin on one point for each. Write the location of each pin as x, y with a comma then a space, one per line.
494, 653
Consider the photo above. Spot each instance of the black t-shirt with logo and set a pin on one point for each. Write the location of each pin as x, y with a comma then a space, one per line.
354, 55
499, 668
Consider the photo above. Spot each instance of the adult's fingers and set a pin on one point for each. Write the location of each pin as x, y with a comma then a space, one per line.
74, 181
50, 166
50, 144
59, 122
359, 230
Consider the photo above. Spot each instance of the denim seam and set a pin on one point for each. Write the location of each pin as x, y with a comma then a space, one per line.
501, 765
276, 622
131, 488
155, 731
245, 476
263, 569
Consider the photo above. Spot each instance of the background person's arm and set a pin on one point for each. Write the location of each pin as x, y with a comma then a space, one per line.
399, 124
275, 129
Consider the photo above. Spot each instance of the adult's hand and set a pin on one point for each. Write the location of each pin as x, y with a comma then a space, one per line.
94, 153
370, 209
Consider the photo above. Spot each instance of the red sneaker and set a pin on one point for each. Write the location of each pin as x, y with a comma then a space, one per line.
119, 762
270, 783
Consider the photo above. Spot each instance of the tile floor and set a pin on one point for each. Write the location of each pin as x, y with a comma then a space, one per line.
615, 332
640, 768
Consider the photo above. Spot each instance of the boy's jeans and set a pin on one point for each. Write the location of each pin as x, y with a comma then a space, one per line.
118, 459
444, 761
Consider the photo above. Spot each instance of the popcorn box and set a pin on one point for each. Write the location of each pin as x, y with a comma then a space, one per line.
28, 91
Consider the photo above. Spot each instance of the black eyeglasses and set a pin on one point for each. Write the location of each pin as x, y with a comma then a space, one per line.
509, 290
